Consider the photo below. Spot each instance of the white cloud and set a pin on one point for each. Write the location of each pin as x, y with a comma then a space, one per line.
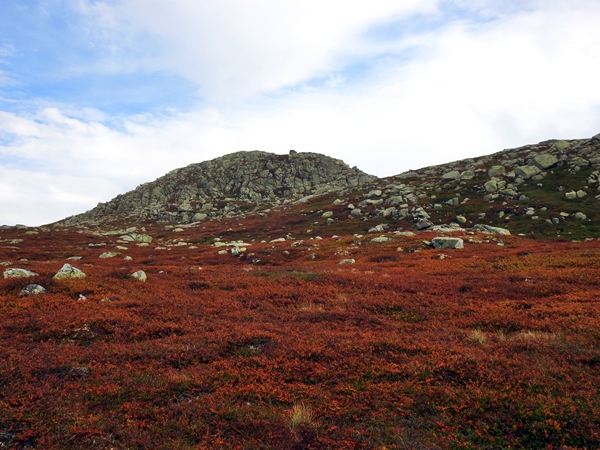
235, 48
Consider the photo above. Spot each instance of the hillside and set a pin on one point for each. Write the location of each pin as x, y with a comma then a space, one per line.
343, 312
544, 190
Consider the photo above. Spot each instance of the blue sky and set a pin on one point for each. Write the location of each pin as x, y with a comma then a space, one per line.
97, 96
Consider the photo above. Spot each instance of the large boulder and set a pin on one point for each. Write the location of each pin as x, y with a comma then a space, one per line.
488, 229
18, 273
447, 242
544, 161
68, 271
451, 176
140, 275
32, 289
496, 171
526, 172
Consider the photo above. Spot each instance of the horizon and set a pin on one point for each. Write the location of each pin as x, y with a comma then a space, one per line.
97, 97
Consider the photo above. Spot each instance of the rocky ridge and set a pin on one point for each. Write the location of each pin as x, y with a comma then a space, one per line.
228, 186
550, 188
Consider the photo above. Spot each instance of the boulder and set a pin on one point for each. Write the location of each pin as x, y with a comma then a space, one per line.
140, 275
496, 171
451, 176
467, 175
68, 271
374, 193
561, 146
423, 224
544, 161
327, 214
488, 229
18, 273
380, 239
447, 242
581, 194
526, 172
107, 255
32, 289
571, 195
347, 261
580, 216
491, 186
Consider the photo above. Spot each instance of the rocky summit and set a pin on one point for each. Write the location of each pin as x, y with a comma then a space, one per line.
549, 189
228, 186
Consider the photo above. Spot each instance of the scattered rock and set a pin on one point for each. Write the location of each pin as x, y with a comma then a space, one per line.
139, 275
380, 239
423, 224
453, 175
68, 271
571, 195
107, 255
443, 242
32, 289
496, 171
526, 172
544, 161
487, 229
18, 273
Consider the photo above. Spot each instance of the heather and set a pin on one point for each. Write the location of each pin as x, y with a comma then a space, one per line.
494, 345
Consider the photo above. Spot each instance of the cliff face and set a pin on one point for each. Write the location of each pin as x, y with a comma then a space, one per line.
227, 186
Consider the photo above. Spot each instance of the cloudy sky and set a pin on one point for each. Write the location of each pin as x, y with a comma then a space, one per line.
98, 96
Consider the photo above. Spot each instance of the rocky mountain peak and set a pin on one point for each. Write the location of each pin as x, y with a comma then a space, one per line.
227, 186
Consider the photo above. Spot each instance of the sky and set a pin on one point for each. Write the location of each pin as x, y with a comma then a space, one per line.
99, 96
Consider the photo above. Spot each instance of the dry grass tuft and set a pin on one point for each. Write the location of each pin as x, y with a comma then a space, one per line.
477, 336
530, 335
301, 414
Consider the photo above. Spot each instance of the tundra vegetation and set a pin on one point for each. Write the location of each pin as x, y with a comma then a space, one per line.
317, 307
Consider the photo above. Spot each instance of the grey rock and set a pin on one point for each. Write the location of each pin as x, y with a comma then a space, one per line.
423, 224
447, 242
380, 239
561, 146
453, 175
327, 214
68, 271
32, 289
490, 230
107, 255
374, 193
580, 216
18, 273
461, 219
526, 172
347, 261
467, 175
389, 211
140, 275
496, 171
544, 161
581, 194
491, 186
571, 195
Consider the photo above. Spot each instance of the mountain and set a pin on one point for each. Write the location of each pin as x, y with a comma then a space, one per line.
549, 189
228, 186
